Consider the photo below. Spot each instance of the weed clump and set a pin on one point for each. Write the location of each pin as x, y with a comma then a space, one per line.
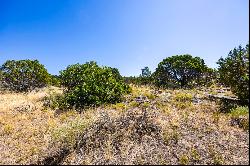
240, 117
183, 100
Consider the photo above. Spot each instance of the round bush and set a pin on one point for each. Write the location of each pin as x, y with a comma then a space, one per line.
179, 70
23, 75
88, 84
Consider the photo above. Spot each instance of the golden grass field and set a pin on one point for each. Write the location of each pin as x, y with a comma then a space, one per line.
166, 128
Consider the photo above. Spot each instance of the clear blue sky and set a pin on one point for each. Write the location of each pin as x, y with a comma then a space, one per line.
126, 34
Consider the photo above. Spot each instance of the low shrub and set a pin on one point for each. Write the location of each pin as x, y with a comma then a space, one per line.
89, 84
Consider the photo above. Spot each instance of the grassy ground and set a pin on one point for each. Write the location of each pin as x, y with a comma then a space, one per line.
151, 126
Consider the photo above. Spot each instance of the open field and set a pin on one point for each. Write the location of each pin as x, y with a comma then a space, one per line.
124, 82
151, 126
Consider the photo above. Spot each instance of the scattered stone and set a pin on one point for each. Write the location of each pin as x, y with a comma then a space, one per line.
221, 91
141, 99
25, 107
216, 97
240, 121
196, 100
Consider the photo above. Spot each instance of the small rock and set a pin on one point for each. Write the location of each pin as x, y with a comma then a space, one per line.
196, 100
58, 112
141, 99
25, 107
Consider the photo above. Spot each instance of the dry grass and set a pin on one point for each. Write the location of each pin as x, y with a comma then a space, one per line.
25, 126
162, 133
170, 127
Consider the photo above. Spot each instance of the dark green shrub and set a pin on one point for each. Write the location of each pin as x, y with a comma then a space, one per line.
234, 72
145, 78
225, 105
24, 75
130, 79
88, 84
207, 78
116, 73
139, 80
179, 71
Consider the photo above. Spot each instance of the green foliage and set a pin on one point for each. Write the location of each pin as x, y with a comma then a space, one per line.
144, 79
182, 100
88, 84
234, 72
130, 80
145, 72
134, 104
116, 73
139, 80
208, 77
183, 97
240, 116
226, 105
119, 106
55, 80
239, 111
24, 75
179, 71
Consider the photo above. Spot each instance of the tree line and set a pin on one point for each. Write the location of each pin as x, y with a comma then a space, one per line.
88, 83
